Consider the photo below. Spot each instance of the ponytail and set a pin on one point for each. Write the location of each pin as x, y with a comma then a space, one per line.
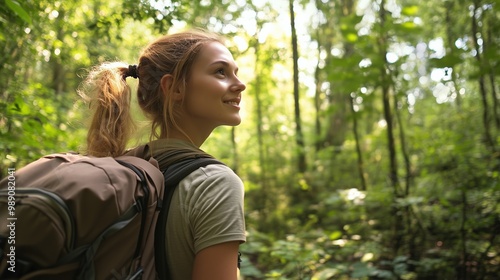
109, 96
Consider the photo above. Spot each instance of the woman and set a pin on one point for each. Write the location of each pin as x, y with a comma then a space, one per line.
188, 86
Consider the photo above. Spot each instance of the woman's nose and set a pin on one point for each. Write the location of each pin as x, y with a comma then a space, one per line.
238, 86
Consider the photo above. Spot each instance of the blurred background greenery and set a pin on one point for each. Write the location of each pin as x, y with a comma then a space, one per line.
370, 142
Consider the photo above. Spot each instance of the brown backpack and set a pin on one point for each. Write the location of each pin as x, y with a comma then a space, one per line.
69, 216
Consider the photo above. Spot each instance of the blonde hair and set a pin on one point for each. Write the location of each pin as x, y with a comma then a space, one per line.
110, 95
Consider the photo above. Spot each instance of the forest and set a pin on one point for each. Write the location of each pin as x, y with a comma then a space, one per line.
370, 141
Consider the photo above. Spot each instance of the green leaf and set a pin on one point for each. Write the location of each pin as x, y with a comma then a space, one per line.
19, 107
335, 235
352, 37
408, 25
325, 274
410, 11
18, 10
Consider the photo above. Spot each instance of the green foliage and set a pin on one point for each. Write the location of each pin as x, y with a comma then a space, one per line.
34, 123
438, 221
18, 10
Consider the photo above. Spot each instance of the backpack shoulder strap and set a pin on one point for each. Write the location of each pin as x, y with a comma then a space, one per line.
173, 175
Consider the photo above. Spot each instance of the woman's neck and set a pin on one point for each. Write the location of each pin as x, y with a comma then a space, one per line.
196, 139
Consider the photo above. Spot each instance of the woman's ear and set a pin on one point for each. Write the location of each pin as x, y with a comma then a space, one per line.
166, 83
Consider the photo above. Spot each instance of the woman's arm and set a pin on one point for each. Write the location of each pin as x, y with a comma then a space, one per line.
217, 262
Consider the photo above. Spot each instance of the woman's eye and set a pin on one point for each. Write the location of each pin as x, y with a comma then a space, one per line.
220, 71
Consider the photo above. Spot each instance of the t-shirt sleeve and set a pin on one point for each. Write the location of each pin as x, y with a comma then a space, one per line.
216, 207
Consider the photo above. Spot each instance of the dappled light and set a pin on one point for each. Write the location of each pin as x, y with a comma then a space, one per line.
370, 134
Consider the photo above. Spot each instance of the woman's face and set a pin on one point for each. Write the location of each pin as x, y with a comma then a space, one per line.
213, 91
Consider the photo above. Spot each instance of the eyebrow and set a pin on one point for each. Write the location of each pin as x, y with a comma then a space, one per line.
223, 62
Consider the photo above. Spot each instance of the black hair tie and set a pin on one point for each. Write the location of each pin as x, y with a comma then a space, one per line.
132, 72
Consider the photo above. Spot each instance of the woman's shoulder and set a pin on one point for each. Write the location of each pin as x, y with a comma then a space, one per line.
218, 174
214, 183
215, 169
212, 175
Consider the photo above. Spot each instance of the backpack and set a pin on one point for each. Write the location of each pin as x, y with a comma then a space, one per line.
69, 216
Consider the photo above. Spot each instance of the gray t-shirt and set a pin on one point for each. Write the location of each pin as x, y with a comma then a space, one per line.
206, 209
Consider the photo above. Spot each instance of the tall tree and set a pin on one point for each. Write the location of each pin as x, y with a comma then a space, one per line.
478, 36
339, 98
359, 153
451, 50
385, 87
301, 148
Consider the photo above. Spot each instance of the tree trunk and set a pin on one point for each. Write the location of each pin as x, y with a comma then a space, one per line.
385, 86
317, 101
406, 213
337, 128
260, 134
489, 43
301, 157
404, 150
450, 41
482, 88
361, 169
385, 81
340, 100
